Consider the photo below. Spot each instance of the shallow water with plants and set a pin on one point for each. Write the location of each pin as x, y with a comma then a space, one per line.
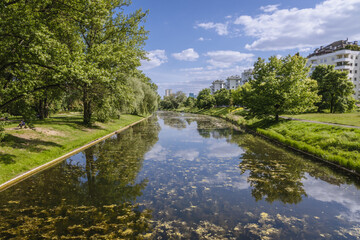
184, 176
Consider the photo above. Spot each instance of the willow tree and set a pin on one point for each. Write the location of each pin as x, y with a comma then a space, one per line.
280, 86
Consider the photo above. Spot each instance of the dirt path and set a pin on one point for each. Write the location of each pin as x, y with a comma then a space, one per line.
325, 123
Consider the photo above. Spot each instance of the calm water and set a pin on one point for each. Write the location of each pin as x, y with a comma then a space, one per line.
182, 176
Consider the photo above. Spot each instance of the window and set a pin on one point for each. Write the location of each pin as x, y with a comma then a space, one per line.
351, 56
355, 71
350, 71
354, 79
355, 64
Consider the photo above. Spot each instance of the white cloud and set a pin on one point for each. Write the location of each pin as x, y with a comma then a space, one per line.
345, 195
204, 39
186, 55
226, 59
269, 8
220, 28
189, 154
280, 29
156, 58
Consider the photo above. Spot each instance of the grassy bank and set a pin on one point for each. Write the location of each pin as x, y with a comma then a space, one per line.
352, 119
24, 149
336, 144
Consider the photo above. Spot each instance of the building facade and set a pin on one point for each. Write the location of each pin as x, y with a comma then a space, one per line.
168, 92
233, 82
246, 76
217, 85
342, 58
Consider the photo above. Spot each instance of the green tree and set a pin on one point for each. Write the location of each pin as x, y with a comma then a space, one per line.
205, 99
279, 86
174, 101
335, 89
222, 97
190, 102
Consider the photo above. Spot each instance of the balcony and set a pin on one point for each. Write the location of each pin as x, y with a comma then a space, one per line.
343, 67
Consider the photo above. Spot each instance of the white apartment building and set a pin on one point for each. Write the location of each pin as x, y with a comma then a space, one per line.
233, 82
217, 85
343, 59
246, 76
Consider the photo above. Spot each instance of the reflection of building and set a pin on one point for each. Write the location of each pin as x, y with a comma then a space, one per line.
217, 85
233, 82
168, 92
340, 55
192, 95
246, 76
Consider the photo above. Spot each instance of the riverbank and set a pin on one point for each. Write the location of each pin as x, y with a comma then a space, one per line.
336, 144
25, 149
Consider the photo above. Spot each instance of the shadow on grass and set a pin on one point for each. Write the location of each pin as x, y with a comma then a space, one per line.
6, 159
33, 145
74, 122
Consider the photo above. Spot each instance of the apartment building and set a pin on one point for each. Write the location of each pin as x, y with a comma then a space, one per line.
340, 55
217, 85
246, 76
233, 82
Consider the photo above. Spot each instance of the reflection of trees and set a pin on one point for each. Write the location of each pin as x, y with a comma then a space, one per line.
271, 175
81, 198
276, 174
172, 119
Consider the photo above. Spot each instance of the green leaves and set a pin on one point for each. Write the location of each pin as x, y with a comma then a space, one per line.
335, 89
279, 86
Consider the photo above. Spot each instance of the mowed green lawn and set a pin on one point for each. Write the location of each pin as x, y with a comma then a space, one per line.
352, 119
24, 149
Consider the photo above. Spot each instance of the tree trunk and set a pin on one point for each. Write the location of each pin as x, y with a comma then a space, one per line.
87, 108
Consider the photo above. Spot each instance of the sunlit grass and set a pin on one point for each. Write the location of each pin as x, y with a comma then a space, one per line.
352, 119
24, 149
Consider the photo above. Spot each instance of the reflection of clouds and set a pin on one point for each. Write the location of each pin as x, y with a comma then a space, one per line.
221, 178
224, 150
158, 153
189, 154
346, 195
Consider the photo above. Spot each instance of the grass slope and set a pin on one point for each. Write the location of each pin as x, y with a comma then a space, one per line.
24, 149
352, 119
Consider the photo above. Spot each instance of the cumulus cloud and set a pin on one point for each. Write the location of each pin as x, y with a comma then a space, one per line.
280, 29
226, 59
186, 55
220, 28
156, 58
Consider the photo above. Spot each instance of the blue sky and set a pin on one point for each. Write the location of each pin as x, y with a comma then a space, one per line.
192, 43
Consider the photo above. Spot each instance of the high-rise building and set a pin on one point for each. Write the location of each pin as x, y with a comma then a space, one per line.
217, 85
246, 76
192, 95
233, 82
344, 55
168, 92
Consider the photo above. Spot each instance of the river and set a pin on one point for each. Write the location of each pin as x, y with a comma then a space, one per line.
184, 176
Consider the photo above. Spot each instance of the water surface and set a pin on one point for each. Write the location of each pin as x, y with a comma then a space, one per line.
184, 176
